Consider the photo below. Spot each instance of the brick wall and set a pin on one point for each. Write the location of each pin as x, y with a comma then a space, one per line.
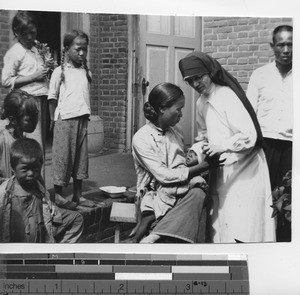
109, 63
4, 43
240, 44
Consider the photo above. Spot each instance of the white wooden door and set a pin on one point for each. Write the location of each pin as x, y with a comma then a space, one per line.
164, 40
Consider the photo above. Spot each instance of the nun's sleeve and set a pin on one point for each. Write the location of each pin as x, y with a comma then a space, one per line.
239, 121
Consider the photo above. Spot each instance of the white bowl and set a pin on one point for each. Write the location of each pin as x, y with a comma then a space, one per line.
113, 191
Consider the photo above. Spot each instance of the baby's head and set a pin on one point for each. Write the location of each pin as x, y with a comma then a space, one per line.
195, 155
191, 158
26, 159
20, 108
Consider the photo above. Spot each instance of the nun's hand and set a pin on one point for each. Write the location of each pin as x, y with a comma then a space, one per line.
211, 150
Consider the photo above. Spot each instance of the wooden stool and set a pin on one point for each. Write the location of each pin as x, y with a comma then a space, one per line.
122, 212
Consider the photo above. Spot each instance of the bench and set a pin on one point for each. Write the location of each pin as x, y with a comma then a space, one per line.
122, 212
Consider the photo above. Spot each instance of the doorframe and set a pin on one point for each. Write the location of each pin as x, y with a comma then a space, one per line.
135, 73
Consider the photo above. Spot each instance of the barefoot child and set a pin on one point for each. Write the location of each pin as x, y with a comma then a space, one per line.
69, 106
23, 197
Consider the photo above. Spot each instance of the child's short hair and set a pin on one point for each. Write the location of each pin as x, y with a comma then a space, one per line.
21, 21
25, 147
17, 103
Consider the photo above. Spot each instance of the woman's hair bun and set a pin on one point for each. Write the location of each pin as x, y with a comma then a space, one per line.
149, 112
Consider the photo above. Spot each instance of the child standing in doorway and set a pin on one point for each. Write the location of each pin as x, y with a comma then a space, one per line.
25, 69
69, 106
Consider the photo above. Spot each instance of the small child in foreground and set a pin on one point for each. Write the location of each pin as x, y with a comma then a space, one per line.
25, 207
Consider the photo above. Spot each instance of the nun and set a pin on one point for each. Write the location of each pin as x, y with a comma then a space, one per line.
239, 190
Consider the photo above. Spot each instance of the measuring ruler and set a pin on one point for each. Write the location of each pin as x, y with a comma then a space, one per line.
110, 273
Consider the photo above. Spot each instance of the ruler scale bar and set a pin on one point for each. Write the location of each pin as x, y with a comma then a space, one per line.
108, 273
126, 287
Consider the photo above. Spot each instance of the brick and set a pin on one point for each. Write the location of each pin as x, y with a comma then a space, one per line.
207, 43
253, 47
243, 47
233, 22
263, 60
263, 53
259, 27
223, 42
243, 28
242, 41
265, 47
242, 74
240, 54
222, 55
210, 37
242, 34
233, 48
207, 31
232, 61
223, 49
222, 30
275, 20
242, 61
253, 60
233, 35
264, 33
264, 20
253, 20
222, 36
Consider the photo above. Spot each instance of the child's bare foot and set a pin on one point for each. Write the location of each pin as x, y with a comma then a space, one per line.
150, 239
134, 230
63, 203
86, 203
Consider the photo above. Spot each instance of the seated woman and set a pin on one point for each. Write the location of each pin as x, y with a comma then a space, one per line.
164, 190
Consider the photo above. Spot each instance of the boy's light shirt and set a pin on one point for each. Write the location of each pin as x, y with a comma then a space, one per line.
21, 62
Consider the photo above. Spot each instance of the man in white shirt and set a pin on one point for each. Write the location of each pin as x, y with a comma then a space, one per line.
270, 93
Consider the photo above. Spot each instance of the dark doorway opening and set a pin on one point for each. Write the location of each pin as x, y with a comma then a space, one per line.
49, 31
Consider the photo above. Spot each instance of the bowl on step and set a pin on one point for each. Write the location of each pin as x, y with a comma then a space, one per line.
113, 191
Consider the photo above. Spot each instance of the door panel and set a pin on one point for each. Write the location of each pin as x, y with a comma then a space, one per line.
157, 64
164, 40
